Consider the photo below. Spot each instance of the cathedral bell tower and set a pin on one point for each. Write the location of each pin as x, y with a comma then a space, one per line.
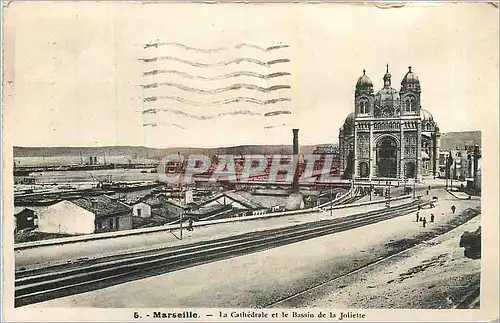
410, 94
363, 96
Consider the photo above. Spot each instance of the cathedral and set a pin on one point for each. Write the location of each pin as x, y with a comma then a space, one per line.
389, 135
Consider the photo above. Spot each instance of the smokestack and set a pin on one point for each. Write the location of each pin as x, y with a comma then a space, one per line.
295, 141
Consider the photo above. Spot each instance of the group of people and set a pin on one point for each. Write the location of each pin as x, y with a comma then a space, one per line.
432, 217
423, 219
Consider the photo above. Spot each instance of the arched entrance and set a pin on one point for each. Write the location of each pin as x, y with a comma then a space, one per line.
364, 170
410, 170
387, 163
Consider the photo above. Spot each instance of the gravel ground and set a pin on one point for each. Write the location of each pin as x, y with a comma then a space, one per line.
434, 275
263, 278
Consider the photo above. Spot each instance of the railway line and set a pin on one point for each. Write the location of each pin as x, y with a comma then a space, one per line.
346, 199
37, 285
471, 300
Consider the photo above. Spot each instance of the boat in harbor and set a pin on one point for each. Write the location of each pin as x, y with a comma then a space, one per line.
128, 186
21, 172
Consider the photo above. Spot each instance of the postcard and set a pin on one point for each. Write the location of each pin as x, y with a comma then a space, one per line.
250, 161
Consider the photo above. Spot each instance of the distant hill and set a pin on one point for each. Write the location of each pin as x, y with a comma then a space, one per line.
135, 152
449, 140
452, 140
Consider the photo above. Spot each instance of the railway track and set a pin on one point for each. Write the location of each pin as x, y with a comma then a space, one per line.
32, 286
347, 199
471, 300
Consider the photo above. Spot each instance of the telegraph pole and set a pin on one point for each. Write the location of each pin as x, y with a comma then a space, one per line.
449, 163
331, 198
451, 174
448, 171
388, 196
389, 201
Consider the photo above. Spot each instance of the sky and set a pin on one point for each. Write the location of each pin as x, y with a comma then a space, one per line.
73, 75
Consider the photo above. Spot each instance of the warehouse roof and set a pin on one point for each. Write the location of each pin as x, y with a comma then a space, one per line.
101, 205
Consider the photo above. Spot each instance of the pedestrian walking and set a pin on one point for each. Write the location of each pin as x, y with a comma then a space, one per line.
418, 216
432, 217
429, 188
424, 222
190, 224
453, 208
427, 192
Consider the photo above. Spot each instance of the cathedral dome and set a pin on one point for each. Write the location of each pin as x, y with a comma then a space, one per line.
364, 81
426, 115
410, 77
387, 99
349, 119
386, 94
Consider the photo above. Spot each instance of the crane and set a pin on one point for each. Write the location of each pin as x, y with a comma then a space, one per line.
100, 182
129, 162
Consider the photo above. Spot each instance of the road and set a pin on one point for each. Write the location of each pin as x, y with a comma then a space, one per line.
436, 275
263, 278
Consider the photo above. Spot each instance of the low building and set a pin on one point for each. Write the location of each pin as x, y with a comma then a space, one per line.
462, 163
236, 201
173, 208
85, 216
26, 219
160, 205
142, 210
274, 200
463, 148
210, 212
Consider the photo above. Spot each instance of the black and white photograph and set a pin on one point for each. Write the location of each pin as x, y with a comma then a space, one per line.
243, 161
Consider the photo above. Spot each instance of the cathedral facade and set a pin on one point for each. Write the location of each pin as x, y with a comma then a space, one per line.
389, 135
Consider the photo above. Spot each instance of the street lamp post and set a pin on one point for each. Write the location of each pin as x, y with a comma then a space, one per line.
405, 179
414, 180
180, 225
